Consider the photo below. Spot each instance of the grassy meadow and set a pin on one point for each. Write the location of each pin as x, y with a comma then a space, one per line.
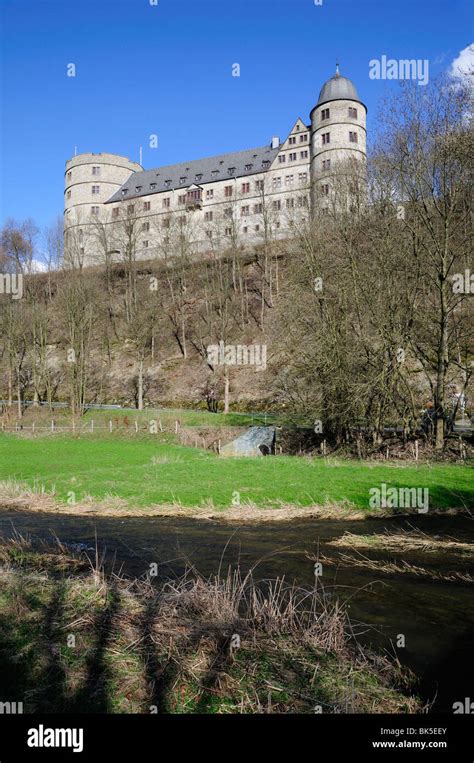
145, 471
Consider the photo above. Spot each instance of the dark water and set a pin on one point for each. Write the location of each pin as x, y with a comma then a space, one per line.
436, 618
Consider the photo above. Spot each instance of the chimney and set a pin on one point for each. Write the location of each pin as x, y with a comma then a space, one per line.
275, 141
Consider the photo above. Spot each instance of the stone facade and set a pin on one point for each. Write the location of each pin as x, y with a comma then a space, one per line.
114, 206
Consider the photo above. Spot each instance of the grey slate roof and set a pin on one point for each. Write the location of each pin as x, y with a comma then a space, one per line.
338, 88
196, 172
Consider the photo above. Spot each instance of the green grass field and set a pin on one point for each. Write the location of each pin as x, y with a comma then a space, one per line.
146, 471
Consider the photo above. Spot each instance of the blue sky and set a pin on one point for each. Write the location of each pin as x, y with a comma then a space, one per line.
167, 69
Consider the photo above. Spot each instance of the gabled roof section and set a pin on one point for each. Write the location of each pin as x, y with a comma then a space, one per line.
299, 126
199, 171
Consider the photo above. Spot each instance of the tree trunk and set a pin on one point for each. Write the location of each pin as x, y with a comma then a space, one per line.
18, 392
140, 385
226, 391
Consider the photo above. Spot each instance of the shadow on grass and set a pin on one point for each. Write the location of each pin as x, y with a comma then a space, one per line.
33, 661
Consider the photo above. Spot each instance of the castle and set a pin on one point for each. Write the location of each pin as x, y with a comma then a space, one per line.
115, 208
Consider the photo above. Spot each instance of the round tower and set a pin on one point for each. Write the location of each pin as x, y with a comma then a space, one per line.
90, 180
338, 134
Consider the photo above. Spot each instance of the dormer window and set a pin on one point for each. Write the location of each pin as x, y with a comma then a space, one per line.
138, 188
265, 164
231, 171
182, 180
214, 173
248, 167
198, 177
167, 183
124, 191
152, 186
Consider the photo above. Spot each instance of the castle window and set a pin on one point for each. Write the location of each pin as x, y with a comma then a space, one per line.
147, 206
324, 114
231, 171
138, 188
245, 187
194, 197
282, 158
289, 180
145, 226
94, 211
277, 182
257, 228
69, 175
292, 140
210, 194
265, 164
277, 205
257, 209
290, 203
115, 212
353, 137
244, 211
198, 177
228, 212
131, 209
326, 138
304, 138
326, 164
82, 250
325, 190
182, 199
245, 229
165, 223
167, 183
69, 194
96, 170
81, 234
145, 244
152, 186
303, 177
259, 185
228, 190
208, 216
182, 180
303, 154
166, 203
215, 173
228, 231
352, 113
292, 157
124, 191
248, 167
95, 190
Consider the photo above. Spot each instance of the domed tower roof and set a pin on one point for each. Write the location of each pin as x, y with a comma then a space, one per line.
338, 88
